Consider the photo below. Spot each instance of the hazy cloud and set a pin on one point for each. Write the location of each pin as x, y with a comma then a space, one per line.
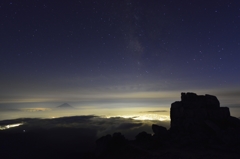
129, 125
102, 126
155, 111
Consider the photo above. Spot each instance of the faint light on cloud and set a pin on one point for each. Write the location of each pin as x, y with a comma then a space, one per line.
144, 117
10, 126
35, 109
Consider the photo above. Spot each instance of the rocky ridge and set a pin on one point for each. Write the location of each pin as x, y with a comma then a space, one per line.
197, 123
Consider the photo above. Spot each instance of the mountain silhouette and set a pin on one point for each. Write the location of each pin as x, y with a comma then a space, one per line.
65, 106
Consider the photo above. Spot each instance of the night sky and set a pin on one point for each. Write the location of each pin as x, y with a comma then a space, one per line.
119, 52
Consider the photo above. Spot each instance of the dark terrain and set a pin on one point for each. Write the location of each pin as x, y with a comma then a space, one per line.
200, 128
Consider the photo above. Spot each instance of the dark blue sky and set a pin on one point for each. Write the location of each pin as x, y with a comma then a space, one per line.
70, 50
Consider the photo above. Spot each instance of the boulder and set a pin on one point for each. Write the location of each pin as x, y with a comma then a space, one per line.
193, 110
103, 144
201, 119
110, 143
159, 130
143, 137
118, 140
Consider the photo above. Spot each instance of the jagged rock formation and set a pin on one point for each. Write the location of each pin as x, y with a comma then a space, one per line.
193, 111
110, 143
201, 119
159, 130
143, 137
160, 133
197, 121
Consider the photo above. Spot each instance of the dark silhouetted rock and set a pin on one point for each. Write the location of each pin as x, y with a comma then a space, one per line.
160, 130
207, 101
110, 143
197, 122
103, 144
143, 137
118, 140
160, 136
193, 110
201, 118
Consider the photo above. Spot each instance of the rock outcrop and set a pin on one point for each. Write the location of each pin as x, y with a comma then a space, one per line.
193, 111
197, 121
110, 143
201, 118
143, 137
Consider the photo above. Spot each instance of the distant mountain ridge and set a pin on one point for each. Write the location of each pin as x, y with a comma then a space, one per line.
65, 106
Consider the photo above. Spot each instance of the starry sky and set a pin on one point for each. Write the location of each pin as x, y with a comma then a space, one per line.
125, 53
